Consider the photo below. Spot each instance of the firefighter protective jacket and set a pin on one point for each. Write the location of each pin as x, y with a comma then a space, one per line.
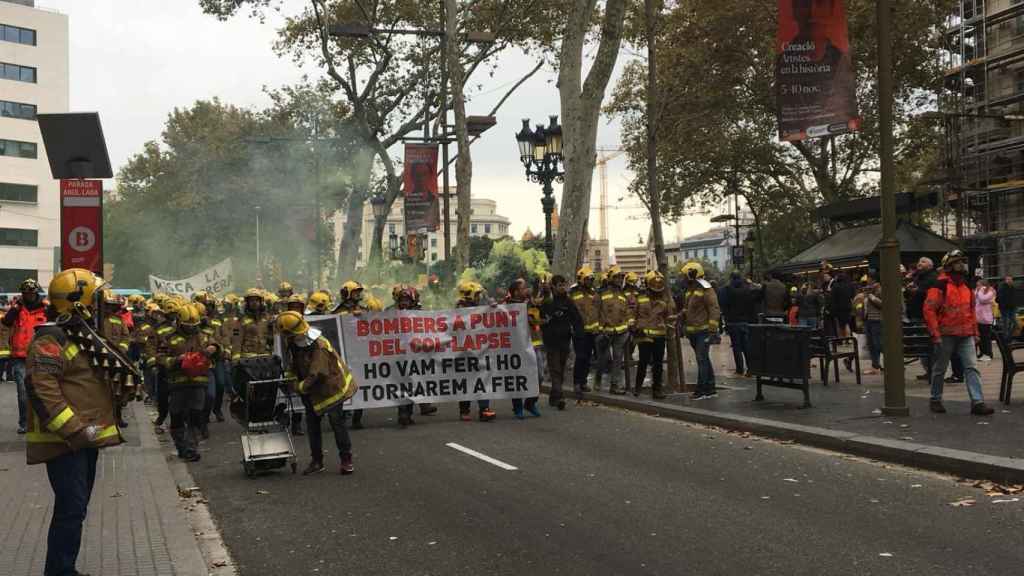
322, 375
614, 311
949, 308
66, 395
586, 303
700, 308
652, 315
179, 343
253, 337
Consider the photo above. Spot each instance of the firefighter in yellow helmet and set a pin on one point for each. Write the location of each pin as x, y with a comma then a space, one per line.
350, 301
406, 297
471, 294
653, 317
701, 315
584, 297
319, 302
616, 318
295, 303
324, 383
188, 358
114, 330
71, 415
284, 291
219, 333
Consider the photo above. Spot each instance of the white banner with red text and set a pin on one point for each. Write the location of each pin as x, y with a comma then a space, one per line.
417, 356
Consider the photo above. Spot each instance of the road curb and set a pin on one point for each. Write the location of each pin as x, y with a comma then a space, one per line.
193, 541
946, 460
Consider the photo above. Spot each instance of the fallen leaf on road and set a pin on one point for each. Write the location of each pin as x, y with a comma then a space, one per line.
262, 492
794, 480
766, 497
1005, 500
187, 492
748, 447
876, 411
904, 425
1005, 411
220, 564
965, 503
982, 423
116, 495
885, 554
431, 543
915, 485
887, 422
908, 438
874, 501
392, 537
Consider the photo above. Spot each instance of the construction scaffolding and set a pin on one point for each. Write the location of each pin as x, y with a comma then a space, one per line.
983, 110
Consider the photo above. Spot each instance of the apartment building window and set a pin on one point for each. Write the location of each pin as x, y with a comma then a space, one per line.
17, 34
11, 278
19, 192
487, 228
18, 237
473, 228
17, 110
16, 72
18, 149
433, 242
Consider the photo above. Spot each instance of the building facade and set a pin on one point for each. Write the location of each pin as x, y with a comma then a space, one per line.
982, 101
33, 80
714, 246
484, 221
632, 259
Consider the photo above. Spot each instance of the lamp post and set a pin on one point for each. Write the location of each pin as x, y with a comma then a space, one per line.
748, 247
540, 151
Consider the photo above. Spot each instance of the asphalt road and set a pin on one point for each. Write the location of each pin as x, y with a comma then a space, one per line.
598, 491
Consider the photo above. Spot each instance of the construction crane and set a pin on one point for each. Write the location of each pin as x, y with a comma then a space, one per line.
605, 155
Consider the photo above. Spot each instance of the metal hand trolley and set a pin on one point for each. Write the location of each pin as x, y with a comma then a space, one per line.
265, 415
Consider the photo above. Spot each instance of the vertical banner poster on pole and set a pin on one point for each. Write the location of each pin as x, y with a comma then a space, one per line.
814, 78
420, 184
81, 225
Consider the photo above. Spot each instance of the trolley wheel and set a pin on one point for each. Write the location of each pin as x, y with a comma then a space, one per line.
295, 467
250, 469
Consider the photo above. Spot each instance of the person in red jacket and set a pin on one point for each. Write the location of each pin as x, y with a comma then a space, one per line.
22, 319
949, 314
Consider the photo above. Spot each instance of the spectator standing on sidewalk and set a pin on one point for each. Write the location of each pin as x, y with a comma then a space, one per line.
949, 312
923, 278
776, 297
1006, 297
739, 306
5, 344
873, 323
22, 319
810, 307
700, 314
984, 297
562, 325
843, 291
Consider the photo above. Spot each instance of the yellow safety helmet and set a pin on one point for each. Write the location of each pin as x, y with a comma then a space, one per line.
655, 281
372, 303
349, 291
109, 297
254, 293
469, 291
320, 301
204, 297
584, 273
187, 315
613, 271
284, 289
153, 308
272, 299
632, 277
695, 267
953, 257
544, 278
73, 291
291, 323
231, 298
295, 302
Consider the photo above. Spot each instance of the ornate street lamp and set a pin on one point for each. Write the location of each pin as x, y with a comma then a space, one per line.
380, 208
540, 151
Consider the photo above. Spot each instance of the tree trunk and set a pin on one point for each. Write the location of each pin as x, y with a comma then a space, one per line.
581, 108
351, 236
464, 161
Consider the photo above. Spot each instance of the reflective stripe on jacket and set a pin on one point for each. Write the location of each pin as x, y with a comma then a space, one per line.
700, 308
615, 312
586, 303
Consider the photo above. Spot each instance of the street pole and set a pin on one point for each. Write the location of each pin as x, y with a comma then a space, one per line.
445, 200
316, 221
736, 221
895, 388
548, 202
259, 279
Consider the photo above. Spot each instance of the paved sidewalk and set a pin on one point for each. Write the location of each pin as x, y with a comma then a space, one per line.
136, 524
845, 411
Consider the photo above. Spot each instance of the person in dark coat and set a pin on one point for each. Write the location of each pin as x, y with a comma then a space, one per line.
1006, 298
841, 304
739, 306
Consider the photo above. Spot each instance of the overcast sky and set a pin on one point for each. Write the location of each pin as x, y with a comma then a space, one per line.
135, 60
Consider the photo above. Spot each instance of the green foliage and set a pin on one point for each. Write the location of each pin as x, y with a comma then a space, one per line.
188, 201
506, 262
717, 136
